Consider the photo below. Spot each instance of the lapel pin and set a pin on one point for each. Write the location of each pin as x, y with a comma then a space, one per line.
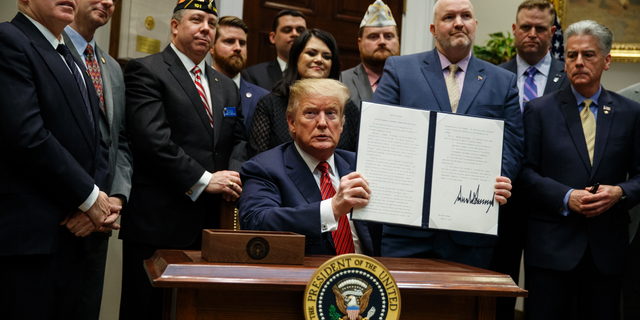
103, 62
216, 79
479, 78
556, 78
606, 109
248, 94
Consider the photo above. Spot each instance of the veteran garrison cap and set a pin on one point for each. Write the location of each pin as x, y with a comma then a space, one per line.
208, 6
378, 15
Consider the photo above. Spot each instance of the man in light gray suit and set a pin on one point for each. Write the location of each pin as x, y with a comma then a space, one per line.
109, 83
377, 40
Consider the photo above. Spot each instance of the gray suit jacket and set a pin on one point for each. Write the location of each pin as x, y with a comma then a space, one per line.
112, 124
357, 81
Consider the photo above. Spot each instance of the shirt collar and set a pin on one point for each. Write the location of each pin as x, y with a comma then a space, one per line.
46, 33
78, 41
312, 162
188, 64
236, 79
462, 64
580, 98
543, 66
282, 63
371, 75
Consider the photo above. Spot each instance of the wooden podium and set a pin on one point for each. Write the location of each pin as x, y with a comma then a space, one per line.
429, 288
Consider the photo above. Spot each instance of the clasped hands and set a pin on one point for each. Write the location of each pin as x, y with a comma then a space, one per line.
590, 204
101, 217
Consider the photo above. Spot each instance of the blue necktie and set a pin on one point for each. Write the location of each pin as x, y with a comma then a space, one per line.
530, 88
64, 51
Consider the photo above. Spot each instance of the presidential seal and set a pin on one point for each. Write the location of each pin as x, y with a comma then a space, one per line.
352, 287
257, 248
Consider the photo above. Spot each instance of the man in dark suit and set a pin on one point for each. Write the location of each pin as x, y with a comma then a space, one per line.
306, 186
538, 73
377, 40
53, 166
575, 139
185, 123
109, 84
451, 79
229, 54
287, 26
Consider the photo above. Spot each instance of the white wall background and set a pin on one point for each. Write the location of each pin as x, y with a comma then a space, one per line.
493, 16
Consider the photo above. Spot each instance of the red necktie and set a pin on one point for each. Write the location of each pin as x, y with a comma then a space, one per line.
342, 237
94, 72
196, 70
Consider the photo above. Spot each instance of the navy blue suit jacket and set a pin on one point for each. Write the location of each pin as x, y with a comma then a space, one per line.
52, 156
279, 193
250, 94
417, 81
556, 71
264, 74
557, 160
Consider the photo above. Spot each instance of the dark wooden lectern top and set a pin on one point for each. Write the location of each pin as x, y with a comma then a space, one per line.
187, 269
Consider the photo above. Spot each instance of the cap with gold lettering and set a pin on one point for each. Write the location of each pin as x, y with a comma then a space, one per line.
208, 6
378, 15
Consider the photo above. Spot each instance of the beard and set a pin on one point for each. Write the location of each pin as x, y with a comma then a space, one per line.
377, 59
232, 64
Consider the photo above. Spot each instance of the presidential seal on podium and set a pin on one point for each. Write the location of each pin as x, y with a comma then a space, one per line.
352, 287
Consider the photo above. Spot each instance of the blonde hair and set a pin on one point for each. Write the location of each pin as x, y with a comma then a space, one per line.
316, 88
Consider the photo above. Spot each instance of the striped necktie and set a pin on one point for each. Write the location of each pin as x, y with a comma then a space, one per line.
589, 127
196, 70
342, 237
64, 51
530, 88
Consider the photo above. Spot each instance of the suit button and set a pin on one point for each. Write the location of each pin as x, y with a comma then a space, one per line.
190, 192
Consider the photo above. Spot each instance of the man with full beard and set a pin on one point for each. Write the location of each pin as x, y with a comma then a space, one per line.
229, 54
377, 41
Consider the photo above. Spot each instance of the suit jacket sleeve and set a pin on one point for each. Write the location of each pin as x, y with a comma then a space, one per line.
121, 184
513, 144
23, 135
263, 209
149, 129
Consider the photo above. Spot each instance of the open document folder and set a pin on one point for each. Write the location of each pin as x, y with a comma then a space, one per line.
429, 169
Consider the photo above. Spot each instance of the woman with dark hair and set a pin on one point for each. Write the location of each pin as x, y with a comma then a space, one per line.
314, 54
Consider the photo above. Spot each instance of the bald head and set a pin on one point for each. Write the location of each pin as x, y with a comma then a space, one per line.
454, 27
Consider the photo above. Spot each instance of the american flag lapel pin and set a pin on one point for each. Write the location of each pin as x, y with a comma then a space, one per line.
606, 109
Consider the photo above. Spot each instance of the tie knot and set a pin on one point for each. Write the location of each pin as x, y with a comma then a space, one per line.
89, 52
587, 103
453, 68
63, 50
531, 71
196, 70
323, 167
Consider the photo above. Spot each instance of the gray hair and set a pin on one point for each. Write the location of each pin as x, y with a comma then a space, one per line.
591, 28
179, 14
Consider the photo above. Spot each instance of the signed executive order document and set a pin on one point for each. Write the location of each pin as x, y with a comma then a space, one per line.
429, 169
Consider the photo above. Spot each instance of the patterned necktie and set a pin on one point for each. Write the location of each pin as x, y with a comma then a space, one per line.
342, 237
589, 127
452, 87
94, 72
196, 70
64, 51
530, 88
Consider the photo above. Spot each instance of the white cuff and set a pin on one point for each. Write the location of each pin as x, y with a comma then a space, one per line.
328, 221
199, 187
84, 207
